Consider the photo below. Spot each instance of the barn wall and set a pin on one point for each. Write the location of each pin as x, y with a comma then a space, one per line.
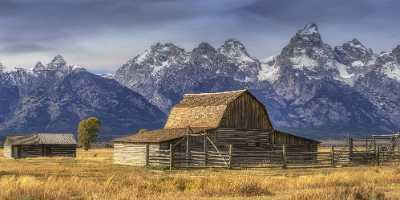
30, 151
242, 139
159, 154
26, 151
60, 150
129, 154
246, 113
7, 151
133, 154
257, 139
293, 142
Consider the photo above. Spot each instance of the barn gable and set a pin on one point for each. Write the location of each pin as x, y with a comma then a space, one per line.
233, 109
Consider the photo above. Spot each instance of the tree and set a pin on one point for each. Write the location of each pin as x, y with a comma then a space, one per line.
87, 131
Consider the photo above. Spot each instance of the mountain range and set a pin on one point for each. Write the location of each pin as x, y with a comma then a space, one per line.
56, 96
310, 88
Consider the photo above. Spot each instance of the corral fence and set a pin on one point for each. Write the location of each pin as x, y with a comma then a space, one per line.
283, 156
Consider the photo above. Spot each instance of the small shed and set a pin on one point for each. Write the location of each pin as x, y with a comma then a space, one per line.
207, 123
40, 144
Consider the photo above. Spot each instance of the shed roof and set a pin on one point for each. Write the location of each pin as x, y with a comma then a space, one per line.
299, 137
201, 110
40, 138
160, 135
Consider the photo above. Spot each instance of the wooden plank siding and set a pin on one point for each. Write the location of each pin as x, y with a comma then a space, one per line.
255, 139
7, 151
60, 150
245, 112
26, 151
129, 154
135, 154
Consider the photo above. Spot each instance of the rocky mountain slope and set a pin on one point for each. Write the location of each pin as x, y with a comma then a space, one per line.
309, 88
56, 96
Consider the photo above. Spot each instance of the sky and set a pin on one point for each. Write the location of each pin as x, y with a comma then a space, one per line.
101, 35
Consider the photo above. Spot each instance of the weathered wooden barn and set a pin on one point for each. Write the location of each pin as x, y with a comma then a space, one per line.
40, 144
204, 128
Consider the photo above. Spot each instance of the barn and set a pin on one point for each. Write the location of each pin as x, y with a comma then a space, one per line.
205, 126
40, 144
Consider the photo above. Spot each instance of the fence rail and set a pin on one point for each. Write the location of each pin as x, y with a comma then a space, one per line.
272, 158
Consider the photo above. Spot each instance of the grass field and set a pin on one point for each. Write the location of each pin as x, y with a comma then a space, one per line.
92, 176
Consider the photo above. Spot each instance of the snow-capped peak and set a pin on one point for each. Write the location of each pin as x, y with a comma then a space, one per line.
160, 51
396, 53
235, 50
164, 47
57, 62
233, 45
355, 43
160, 56
204, 48
309, 29
309, 36
39, 67
353, 53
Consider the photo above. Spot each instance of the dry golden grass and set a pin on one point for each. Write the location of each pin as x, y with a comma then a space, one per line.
92, 176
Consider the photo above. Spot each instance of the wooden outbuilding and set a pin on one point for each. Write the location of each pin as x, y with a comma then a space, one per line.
40, 144
205, 126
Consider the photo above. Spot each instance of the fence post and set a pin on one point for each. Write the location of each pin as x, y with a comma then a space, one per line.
205, 150
230, 157
333, 156
147, 155
350, 149
284, 159
171, 156
377, 155
188, 157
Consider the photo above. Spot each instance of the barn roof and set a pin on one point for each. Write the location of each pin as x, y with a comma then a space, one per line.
40, 138
160, 135
299, 137
201, 110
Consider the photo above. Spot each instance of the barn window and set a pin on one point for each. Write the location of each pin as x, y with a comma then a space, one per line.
258, 144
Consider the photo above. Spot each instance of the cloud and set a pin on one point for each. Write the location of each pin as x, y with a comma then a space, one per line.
104, 33
292, 12
21, 48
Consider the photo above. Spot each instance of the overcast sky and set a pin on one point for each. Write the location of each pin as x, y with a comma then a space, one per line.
103, 34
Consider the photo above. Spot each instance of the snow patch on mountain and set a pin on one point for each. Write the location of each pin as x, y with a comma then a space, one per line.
392, 70
357, 63
344, 74
304, 62
142, 57
268, 73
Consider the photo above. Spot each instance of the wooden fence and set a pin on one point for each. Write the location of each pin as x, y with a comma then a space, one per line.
273, 158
